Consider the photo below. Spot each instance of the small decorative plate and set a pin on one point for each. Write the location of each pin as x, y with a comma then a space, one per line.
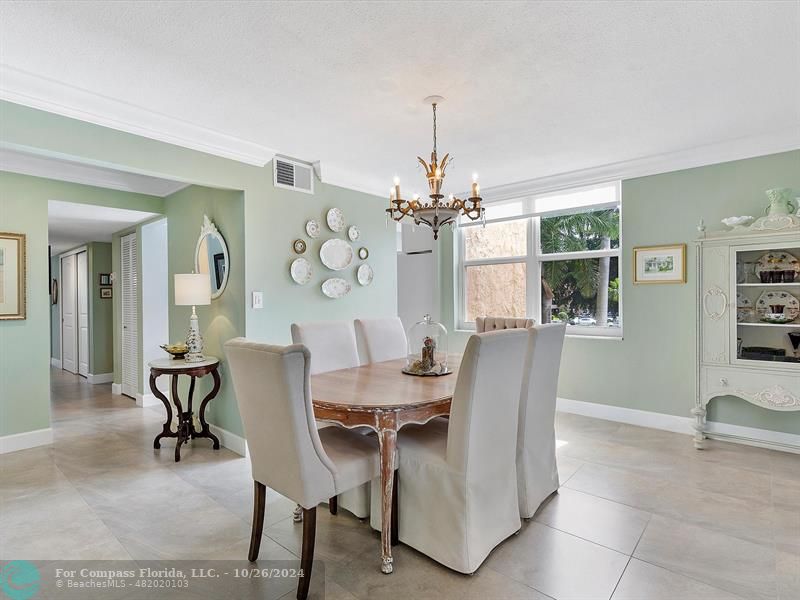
791, 306
301, 271
777, 261
335, 287
299, 246
777, 319
363, 253
353, 233
312, 228
744, 307
335, 219
336, 254
365, 274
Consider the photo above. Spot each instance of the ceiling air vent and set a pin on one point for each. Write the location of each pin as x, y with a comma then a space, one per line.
294, 175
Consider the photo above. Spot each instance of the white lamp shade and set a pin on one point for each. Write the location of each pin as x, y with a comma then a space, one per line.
192, 289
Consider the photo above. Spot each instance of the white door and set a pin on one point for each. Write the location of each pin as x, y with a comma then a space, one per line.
130, 342
69, 314
83, 313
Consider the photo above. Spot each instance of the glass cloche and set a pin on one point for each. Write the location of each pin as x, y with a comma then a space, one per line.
427, 348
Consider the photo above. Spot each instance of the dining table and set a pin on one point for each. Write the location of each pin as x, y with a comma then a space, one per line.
380, 396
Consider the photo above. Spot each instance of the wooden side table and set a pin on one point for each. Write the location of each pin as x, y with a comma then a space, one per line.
186, 430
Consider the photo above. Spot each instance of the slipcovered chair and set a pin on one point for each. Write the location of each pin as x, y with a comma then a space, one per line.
381, 339
333, 347
458, 479
537, 472
287, 452
484, 324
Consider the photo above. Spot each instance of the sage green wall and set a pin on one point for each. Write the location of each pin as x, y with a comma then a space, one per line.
272, 219
25, 345
652, 368
101, 311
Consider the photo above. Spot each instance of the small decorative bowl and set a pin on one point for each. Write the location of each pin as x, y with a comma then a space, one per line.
777, 318
737, 222
177, 351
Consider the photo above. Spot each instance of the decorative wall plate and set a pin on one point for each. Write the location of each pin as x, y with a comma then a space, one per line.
744, 307
301, 271
299, 246
312, 228
335, 219
791, 305
777, 261
336, 254
335, 287
353, 233
363, 253
365, 274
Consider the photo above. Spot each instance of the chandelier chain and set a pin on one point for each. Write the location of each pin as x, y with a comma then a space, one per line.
434, 129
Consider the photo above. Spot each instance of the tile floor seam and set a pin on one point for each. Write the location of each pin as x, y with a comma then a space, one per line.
585, 539
689, 576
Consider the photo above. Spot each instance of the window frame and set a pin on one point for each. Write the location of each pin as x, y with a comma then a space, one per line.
535, 257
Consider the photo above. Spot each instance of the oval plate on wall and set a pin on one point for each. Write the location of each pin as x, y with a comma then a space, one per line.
336, 254
301, 271
365, 274
335, 219
335, 287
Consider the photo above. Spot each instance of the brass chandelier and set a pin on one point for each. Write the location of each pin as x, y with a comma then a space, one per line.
436, 213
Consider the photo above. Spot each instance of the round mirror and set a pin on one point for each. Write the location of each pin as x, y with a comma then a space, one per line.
211, 256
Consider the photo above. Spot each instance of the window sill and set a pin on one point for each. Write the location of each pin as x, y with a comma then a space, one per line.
589, 336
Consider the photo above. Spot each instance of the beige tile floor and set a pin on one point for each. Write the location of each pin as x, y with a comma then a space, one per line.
641, 515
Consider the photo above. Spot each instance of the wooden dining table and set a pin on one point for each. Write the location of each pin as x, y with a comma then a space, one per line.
380, 396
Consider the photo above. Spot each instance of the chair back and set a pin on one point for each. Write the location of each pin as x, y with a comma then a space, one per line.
484, 324
273, 390
381, 339
332, 344
481, 438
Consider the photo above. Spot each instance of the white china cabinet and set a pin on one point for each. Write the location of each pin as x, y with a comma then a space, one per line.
744, 348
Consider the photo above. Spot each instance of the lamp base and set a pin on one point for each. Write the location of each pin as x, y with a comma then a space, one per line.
193, 357
194, 341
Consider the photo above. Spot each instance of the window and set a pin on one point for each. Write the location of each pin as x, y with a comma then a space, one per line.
553, 257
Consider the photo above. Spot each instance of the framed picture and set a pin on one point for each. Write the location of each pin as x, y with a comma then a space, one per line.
105, 292
659, 264
105, 278
12, 275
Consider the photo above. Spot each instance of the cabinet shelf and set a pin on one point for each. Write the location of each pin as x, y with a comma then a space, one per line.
769, 285
791, 325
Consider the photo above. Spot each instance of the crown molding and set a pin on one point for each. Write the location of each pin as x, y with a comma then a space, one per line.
28, 89
701, 156
50, 168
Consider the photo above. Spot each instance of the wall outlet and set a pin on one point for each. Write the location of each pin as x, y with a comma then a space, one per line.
258, 299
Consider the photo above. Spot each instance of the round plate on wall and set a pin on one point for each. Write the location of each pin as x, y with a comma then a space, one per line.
365, 274
301, 271
312, 228
336, 254
335, 218
363, 253
299, 246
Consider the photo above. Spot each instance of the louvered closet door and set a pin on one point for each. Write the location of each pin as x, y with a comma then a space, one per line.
130, 328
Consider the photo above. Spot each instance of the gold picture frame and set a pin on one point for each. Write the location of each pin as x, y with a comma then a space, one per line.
659, 264
12, 276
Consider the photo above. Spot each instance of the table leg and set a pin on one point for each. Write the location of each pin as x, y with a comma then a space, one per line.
206, 431
181, 419
387, 437
166, 430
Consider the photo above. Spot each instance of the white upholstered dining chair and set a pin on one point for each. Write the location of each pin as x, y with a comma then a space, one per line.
537, 472
381, 339
287, 452
333, 346
484, 324
458, 481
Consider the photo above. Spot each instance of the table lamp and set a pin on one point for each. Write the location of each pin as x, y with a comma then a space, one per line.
193, 289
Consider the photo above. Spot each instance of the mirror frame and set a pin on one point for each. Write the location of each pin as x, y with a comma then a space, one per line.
209, 229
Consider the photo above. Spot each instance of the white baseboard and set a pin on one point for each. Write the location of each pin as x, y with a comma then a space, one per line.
55, 362
100, 378
116, 389
234, 443
764, 438
23, 441
144, 400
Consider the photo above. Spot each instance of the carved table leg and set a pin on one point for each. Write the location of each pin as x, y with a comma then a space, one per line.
166, 431
387, 436
181, 419
205, 431
699, 425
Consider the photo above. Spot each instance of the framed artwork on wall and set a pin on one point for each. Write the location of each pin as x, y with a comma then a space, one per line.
659, 264
105, 278
12, 276
105, 292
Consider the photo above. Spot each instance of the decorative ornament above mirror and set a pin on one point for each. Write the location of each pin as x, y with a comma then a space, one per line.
211, 257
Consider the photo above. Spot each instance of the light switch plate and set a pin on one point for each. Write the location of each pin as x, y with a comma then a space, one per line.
258, 299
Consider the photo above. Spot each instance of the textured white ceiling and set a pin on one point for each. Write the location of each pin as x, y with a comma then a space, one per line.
71, 224
532, 88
